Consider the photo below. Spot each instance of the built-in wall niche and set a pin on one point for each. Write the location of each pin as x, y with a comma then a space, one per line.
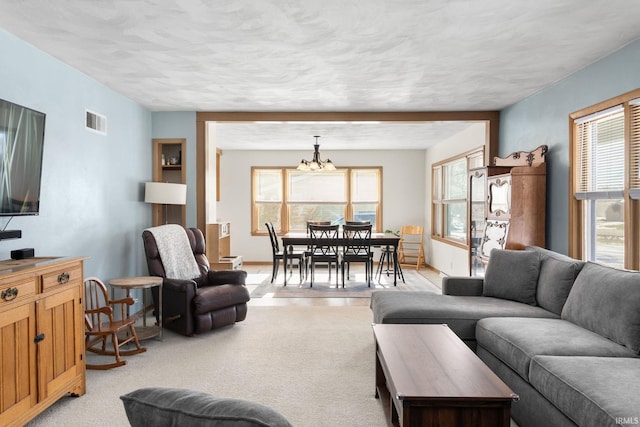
169, 166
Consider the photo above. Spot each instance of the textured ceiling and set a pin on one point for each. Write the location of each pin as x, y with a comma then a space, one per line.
335, 136
325, 55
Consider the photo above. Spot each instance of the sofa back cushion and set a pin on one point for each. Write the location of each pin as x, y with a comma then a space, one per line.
557, 274
606, 300
512, 275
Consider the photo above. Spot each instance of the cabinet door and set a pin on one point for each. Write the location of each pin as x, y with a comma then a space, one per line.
60, 352
495, 237
18, 361
499, 189
478, 215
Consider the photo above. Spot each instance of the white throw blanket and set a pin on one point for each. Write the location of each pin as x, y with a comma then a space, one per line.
175, 251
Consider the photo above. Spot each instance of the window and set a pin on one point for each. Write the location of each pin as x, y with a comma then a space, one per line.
606, 182
267, 197
315, 196
289, 198
449, 196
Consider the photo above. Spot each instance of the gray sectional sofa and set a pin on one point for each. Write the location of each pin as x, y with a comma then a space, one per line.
562, 333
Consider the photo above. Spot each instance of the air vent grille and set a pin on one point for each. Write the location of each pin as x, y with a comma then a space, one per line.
95, 122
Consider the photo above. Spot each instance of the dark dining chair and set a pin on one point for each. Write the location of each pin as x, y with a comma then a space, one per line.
321, 251
279, 255
357, 248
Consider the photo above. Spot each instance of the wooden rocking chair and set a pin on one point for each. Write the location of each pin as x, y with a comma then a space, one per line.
100, 324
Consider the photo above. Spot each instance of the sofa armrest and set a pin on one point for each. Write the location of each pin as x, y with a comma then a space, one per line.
462, 286
224, 277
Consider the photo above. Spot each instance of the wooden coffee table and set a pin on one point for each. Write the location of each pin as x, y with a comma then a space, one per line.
426, 376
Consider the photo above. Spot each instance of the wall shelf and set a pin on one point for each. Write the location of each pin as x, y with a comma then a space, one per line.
163, 151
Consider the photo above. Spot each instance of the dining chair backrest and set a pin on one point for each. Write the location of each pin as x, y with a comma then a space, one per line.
273, 236
318, 234
357, 239
316, 223
365, 222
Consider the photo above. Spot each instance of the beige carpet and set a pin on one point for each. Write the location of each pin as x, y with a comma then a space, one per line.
313, 364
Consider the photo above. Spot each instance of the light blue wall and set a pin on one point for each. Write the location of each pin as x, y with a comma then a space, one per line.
181, 124
92, 185
543, 118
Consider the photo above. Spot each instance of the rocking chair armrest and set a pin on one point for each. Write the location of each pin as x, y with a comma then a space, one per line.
127, 301
104, 310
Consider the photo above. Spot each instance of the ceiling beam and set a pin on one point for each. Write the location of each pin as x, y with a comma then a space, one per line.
417, 116
491, 144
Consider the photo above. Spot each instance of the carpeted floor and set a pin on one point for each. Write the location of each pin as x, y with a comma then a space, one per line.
313, 364
311, 359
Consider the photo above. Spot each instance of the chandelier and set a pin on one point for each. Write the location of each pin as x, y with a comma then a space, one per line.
316, 164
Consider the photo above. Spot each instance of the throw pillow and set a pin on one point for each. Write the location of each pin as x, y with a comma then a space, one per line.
160, 407
557, 274
512, 275
606, 300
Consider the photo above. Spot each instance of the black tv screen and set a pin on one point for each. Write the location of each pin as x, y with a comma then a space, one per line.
21, 141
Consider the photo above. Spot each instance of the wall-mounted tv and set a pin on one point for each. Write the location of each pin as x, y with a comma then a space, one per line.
21, 143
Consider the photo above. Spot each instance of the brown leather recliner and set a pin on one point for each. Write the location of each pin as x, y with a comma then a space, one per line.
215, 299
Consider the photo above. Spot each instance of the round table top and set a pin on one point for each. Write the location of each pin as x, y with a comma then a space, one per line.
136, 282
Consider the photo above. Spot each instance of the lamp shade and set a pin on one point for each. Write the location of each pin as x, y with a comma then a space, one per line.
165, 193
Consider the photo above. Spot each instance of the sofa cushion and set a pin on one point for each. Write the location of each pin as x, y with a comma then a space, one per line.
460, 313
517, 340
592, 391
606, 300
160, 407
556, 277
512, 275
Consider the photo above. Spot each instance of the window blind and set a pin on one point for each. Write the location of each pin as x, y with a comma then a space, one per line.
634, 149
600, 152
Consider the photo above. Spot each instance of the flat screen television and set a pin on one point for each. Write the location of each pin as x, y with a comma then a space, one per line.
21, 143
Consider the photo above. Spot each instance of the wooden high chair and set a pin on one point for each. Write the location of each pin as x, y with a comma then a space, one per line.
410, 247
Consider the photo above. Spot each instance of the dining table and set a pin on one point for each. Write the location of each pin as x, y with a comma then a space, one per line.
291, 239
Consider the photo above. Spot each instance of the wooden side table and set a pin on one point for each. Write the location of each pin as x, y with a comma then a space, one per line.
143, 282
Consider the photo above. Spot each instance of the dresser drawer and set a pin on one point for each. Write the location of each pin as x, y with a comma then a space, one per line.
72, 274
18, 290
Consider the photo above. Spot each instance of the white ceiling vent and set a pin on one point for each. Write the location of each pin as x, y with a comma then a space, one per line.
95, 122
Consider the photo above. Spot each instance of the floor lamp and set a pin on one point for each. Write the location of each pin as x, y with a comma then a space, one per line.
165, 193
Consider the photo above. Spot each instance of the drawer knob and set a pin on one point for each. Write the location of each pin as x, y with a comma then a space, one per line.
63, 278
9, 294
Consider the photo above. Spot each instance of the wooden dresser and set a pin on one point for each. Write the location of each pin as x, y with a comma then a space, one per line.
41, 335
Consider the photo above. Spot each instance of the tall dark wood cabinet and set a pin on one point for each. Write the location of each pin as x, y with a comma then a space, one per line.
507, 203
